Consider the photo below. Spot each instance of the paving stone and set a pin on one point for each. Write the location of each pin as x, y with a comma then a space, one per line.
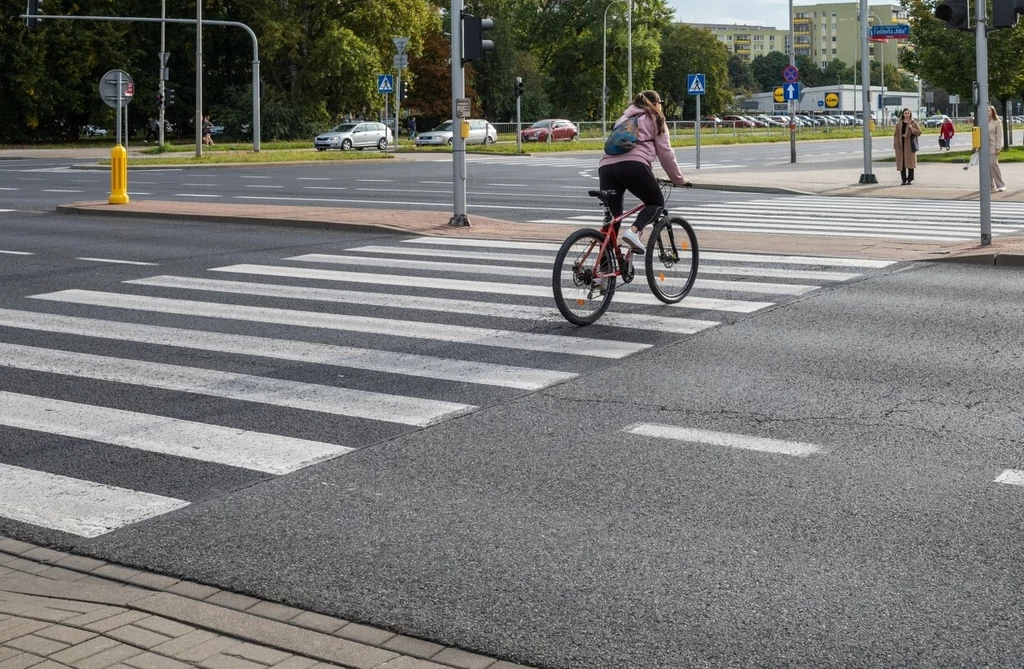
73, 606
412, 663
12, 621
137, 636
295, 662
64, 634
21, 661
164, 626
8, 653
48, 664
407, 645
154, 661
54, 573
4, 571
183, 643
81, 651
232, 600
118, 653
192, 590
115, 572
364, 634
261, 654
221, 661
274, 611
214, 646
154, 581
113, 622
100, 613
27, 566
502, 664
462, 659
37, 645
318, 622
43, 554
14, 547
80, 562
26, 627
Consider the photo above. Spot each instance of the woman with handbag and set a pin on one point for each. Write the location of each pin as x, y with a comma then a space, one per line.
946, 132
905, 143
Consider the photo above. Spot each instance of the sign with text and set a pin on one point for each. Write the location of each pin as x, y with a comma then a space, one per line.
892, 31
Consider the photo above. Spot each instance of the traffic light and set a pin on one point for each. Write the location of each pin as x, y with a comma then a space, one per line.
473, 43
519, 87
956, 14
169, 99
1004, 13
403, 91
159, 100
33, 9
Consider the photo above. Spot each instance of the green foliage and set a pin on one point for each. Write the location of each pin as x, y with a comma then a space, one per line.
767, 69
688, 50
741, 77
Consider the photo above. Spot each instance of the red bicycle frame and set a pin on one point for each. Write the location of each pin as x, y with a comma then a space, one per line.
611, 237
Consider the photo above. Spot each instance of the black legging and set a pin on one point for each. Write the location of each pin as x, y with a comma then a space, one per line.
636, 177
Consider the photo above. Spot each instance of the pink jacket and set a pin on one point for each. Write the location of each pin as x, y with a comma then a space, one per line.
645, 151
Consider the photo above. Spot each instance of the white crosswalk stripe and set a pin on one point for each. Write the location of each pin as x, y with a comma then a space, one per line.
590, 162
884, 218
444, 326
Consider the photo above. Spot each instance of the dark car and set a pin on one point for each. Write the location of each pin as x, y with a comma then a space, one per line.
551, 129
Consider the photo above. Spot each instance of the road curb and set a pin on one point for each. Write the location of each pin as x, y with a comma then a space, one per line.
994, 259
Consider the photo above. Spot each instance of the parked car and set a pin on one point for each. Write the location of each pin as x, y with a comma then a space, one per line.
556, 129
933, 121
354, 135
710, 122
737, 121
480, 132
769, 121
94, 131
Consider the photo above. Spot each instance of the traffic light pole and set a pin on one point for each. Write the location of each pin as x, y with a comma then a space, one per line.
868, 176
163, 64
792, 103
459, 217
981, 114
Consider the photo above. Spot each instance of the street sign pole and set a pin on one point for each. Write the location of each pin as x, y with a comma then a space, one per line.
696, 134
981, 116
459, 217
792, 103
867, 177
400, 43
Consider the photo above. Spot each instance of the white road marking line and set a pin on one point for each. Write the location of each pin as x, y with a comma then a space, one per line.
195, 195
17, 253
724, 439
230, 385
247, 176
313, 178
325, 188
599, 348
446, 183
119, 262
415, 203
518, 311
525, 290
230, 446
398, 263
204, 185
550, 259
6, 188
380, 181
58, 190
510, 185
1011, 477
78, 507
505, 376
132, 192
262, 186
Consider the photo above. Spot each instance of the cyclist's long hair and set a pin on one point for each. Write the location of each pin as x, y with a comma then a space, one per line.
648, 101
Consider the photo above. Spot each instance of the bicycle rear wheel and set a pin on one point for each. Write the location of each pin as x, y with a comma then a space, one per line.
579, 296
671, 259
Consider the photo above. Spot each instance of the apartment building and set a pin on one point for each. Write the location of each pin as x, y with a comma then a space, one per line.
823, 32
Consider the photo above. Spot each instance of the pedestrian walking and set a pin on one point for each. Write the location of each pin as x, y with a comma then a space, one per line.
412, 127
995, 145
905, 143
946, 132
207, 131
152, 130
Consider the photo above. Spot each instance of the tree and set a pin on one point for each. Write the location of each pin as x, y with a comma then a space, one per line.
686, 50
767, 69
741, 78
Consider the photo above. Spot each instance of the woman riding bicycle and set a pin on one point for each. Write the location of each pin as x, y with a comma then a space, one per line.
632, 170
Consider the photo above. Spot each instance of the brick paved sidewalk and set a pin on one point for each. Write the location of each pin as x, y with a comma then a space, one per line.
61, 610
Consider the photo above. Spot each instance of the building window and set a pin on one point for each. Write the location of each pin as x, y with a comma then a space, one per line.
833, 40
833, 52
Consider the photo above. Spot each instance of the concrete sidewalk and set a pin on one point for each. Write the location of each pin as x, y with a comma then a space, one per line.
61, 610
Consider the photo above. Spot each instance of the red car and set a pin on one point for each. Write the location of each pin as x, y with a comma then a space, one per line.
711, 122
556, 128
737, 121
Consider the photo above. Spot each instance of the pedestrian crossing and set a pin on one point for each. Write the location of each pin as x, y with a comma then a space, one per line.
570, 162
253, 370
879, 218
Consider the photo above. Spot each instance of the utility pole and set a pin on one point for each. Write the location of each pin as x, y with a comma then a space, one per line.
981, 114
163, 67
867, 177
792, 103
459, 217
199, 79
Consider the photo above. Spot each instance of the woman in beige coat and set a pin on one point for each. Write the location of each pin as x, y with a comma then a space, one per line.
995, 145
904, 142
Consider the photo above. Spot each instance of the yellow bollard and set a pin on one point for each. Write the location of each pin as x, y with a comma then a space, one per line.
975, 138
871, 126
118, 175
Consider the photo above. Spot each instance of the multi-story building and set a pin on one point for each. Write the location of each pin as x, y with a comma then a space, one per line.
823, 32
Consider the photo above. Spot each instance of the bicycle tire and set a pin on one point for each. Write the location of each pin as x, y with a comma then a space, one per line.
580, 298
671, 259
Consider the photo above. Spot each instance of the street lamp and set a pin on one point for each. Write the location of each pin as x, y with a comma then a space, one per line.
604, 69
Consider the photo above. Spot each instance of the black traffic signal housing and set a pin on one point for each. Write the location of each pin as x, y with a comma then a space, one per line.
34, 8
403, 91
169, 97
956, 14
1004, 13
159, 100
473, 43
519, 87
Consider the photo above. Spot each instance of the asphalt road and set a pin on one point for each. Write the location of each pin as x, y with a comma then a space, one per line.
572, 525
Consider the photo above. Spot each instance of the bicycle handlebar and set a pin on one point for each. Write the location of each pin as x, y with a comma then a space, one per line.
667, 182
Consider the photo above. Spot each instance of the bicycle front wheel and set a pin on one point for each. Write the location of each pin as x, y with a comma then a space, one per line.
671, 260
579, 295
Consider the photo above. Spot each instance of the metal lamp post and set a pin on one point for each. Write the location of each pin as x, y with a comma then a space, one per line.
604, 72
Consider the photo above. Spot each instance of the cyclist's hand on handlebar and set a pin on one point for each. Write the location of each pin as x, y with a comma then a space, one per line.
685, 183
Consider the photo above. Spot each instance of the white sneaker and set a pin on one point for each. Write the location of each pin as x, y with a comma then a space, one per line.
1000, 190
634, 241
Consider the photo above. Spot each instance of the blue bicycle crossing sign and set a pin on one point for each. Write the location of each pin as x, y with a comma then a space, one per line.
385, 83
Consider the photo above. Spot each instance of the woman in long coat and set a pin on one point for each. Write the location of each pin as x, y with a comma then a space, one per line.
903, 138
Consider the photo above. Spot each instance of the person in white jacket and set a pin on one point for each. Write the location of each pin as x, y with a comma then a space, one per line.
995, 145
632, 170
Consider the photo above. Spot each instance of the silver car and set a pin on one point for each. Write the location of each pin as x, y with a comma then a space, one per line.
480, 132
354, 135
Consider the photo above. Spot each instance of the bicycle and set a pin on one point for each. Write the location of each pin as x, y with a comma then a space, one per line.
590, 261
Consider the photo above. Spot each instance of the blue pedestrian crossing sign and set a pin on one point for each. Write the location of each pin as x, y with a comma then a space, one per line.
385, 83
695, 84
791, 92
